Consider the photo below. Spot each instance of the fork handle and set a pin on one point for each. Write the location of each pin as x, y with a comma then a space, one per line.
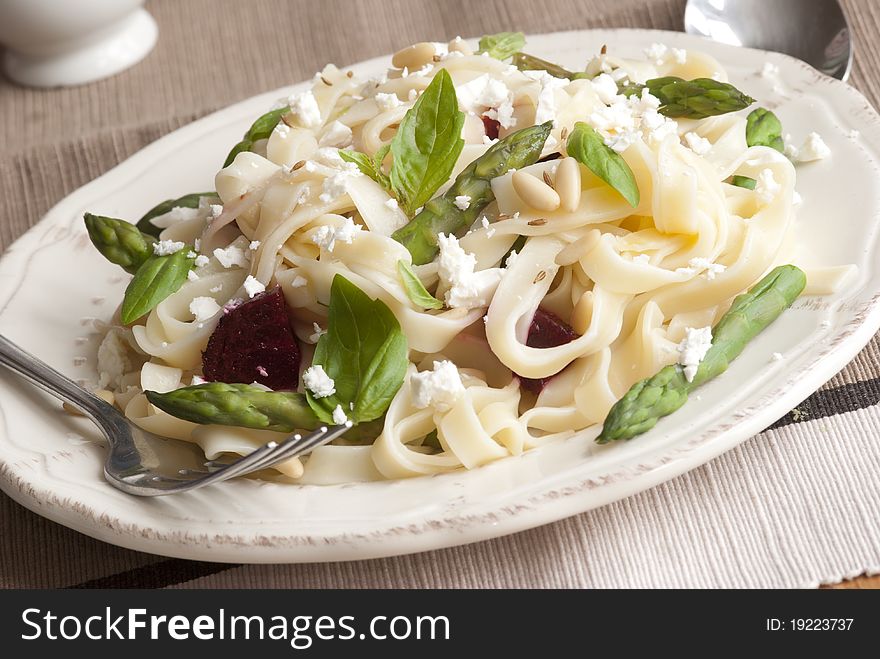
50, 380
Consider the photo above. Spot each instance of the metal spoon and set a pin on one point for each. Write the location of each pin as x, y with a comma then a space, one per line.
816, 31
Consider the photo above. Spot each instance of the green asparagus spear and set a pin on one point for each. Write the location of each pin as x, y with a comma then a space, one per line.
186, 201
692, 99
441, 215
643, 405
247, 406
119, 242
763, 128
525, 62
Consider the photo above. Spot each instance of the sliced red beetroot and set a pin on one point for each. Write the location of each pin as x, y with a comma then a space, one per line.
546, 331
253, 342
492, 126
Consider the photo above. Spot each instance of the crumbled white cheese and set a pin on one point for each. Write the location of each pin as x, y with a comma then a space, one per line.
392, 204
387, 101
814, 148
167, 247
627, 119
299, 282
488, 141
191, 275
113, 358
305, 108
605, 87
254, 245
441, 50
487, 92
511, 259
339, 417
439, 388
337, 134
766, 186
216, 289
462, 202
700, 264
699, 145
201, 261
769, 70
318, 333
490, 231
412, 95
693, 349
253, 286
216, 211
326, 236
316, 380
231, 256
466, 288
281, 129
776, 357
546, 110
679, 55
203, 308
656, 52
337, 185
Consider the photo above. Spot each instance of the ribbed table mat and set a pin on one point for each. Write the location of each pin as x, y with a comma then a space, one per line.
794, 506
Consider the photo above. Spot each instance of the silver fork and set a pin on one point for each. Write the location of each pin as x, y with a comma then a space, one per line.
131, 465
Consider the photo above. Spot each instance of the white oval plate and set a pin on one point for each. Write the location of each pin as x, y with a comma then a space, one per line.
52, 286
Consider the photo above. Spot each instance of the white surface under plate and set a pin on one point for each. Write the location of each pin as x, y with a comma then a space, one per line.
52, 286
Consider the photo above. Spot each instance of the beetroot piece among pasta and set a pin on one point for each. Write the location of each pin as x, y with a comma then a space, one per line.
546, 331
492, 126
253, 342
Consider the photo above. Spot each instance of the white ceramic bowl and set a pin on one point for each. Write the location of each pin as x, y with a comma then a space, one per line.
69, 42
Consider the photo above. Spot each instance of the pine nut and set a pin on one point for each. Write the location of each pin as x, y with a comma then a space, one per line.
414, 57
568, 184
460, 46
535, 192
103, 394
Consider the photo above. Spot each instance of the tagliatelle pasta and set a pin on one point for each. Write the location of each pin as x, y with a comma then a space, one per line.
626, 280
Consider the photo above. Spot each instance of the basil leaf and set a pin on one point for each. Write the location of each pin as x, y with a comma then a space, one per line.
414, 288
763, 128
156, 279
369, 166
261, 129
743, 182
119, 241
502, 45
427, 144
587, 147
186, 201
364, 351
525, 62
